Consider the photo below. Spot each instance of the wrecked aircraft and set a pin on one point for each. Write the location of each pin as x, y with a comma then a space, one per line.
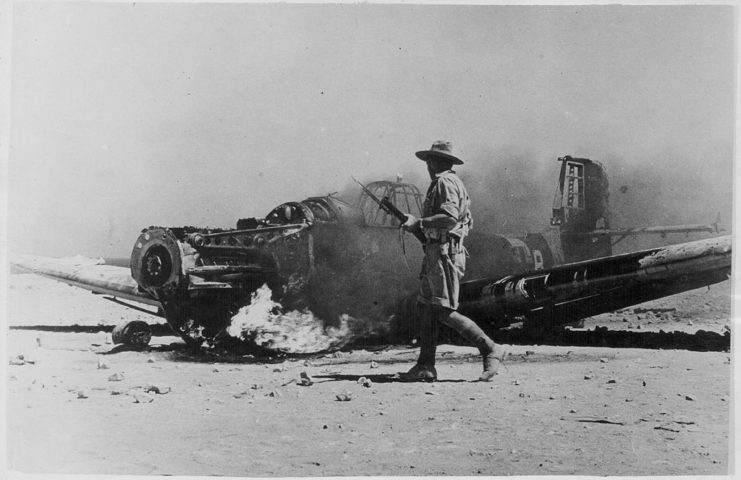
347, 262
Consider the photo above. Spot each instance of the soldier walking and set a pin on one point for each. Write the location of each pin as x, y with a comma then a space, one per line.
446, 220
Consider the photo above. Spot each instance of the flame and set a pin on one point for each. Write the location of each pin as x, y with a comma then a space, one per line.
265, 323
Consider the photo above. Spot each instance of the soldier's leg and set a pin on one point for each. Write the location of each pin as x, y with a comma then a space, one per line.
492, 354
424, 370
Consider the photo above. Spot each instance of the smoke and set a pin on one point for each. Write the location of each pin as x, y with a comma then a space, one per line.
512, 191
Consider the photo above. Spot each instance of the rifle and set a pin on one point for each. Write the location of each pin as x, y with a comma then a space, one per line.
388, 207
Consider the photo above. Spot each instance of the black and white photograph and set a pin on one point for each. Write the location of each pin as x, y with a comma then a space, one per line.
346, 239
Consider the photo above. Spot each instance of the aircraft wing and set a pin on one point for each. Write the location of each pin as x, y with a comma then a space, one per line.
570, 292
86, 273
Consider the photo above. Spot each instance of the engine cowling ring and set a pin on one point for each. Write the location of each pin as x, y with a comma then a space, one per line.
156, 262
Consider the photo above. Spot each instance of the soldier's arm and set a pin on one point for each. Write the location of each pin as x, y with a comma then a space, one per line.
442, 221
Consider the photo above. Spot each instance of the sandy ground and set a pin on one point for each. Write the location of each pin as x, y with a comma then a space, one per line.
77, 405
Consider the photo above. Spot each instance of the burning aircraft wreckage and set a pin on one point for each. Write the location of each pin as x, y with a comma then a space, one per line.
317, 274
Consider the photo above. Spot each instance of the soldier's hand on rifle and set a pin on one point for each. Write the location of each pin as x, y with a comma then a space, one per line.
411, 223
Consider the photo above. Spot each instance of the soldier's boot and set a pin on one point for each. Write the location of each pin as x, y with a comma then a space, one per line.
491, 353
424, 370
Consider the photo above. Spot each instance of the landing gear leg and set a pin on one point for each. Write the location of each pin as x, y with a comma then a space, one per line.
180, 323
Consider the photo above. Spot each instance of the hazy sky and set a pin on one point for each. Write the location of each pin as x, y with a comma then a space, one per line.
129, 115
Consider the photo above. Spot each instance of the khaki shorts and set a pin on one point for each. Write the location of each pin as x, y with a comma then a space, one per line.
441, 275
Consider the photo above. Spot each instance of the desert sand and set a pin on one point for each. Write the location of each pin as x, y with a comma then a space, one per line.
79, 405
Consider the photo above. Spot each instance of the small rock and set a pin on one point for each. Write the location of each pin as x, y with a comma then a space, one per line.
274, 394
116, 377
612, 380
529, 352
625, 320
150, 360
572, 411
102, 365
588, 377
108, 339
117, 392
143, 398
215, 370
551, 397
307, 363
158, 389
18, 360
255, 386
82, 394
374, 364
430, 393
38, 341
521, 395
689, 398
344, 397
603, 360
644, 383
367, 383
516, 382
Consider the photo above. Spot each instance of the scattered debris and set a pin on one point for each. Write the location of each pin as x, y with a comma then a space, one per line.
600, 420
305, 380
17, 360
667, 428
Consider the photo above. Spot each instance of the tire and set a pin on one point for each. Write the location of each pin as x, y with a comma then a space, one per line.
132, 333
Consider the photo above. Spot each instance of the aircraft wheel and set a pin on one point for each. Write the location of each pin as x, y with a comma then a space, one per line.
132, 333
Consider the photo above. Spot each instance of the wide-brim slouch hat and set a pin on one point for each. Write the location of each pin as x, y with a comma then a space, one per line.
440, 149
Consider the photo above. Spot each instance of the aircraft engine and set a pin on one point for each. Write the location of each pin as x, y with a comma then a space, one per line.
156, 261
